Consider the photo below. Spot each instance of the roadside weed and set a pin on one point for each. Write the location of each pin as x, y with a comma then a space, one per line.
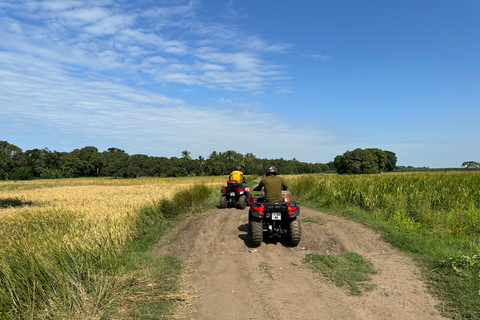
348, 268
266, 270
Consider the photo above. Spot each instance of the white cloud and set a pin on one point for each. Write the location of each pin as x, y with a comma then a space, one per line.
321, 57
110, 25
80, 17
283, 91
100, 36
66, 66
137, 120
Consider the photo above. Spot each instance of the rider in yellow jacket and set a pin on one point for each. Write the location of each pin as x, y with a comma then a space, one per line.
237, 175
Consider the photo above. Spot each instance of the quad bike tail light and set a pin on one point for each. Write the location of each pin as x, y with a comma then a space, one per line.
259, 209
247, 189
292, 209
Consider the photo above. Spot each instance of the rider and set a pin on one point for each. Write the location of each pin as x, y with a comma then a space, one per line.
273, 185
237, 175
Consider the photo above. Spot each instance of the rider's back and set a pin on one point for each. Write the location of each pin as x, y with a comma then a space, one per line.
273, 188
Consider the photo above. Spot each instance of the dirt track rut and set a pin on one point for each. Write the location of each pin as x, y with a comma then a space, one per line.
224, 281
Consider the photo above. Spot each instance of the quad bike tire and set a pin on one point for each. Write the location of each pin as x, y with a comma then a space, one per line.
295, 232
223, 202
242, 202
256, 232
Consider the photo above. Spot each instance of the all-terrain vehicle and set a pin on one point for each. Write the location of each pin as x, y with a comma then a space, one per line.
277, 218
234, 195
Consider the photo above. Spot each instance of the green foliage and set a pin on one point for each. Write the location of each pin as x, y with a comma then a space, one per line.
433, 216
471, 164
184, 202
42, 274
348, 268
89, 162
365, 161
47, 173
439, 203
21, 173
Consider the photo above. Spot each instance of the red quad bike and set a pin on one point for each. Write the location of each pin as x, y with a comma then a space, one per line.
234, 195
277, 218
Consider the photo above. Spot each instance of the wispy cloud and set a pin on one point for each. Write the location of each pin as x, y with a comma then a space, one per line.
138, 120
320, 57
102, 35
67, 68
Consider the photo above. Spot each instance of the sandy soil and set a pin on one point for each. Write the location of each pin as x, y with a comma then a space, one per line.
224, 281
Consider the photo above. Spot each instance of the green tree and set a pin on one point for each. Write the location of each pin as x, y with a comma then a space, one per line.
391, 164
471, 165
116, 161
186, 155
138, 165
92, 160
6, 165
381, 159
21, 173
364, 161
72, 166
11, 150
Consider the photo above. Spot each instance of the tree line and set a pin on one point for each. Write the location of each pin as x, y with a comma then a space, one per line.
16, 164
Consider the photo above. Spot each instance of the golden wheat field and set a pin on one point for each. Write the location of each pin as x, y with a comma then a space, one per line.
96, 198
56, 251
92, 204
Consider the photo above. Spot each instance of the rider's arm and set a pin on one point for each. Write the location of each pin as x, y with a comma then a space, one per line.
259, 187
243, 177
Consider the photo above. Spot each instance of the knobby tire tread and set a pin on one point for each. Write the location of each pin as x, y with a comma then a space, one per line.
223, 202
256, 232
242, 202
295, 233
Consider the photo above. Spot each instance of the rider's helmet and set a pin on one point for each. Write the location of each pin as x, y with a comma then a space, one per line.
269, 170
238, 168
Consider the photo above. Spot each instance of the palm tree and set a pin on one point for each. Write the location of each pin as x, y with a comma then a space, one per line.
201, 161
230, 155
186, 155
250, 158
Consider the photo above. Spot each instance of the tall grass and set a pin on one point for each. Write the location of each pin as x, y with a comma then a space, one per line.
63, 256
437, 203
434, 216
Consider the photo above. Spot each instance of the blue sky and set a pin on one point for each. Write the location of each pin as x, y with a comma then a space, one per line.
281, 79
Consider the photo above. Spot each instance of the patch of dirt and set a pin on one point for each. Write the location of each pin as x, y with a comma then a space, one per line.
224, 280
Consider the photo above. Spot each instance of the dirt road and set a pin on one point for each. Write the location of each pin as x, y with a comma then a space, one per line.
224, 280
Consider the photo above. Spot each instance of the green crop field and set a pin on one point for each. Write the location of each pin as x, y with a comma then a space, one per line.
441, 203
433, 216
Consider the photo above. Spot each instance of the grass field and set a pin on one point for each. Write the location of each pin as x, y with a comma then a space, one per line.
60, 253
78, 248
433, 216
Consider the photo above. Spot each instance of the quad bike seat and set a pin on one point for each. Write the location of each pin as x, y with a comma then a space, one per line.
232, 183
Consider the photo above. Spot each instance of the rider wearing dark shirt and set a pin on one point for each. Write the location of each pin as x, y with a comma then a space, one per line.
273, 185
